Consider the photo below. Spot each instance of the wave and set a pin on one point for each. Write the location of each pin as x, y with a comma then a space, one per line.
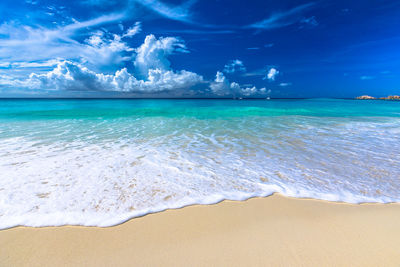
104, 172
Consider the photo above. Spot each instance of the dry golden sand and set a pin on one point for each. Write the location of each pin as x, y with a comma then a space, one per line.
272, 231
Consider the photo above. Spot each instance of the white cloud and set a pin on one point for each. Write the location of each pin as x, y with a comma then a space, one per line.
93, 22
248, 91
271, 74
282, 19
151, 60
7, 81
103, 3
169, 80
179, 12
153, 53
310, 22
133, 30
105, 51
72, 76
365, 77
222, 87
5, 64
31, 2
235, 65
69, 76
285, 84
152, 71
26, 43
258, 48
101, 50
197, 32
37, 64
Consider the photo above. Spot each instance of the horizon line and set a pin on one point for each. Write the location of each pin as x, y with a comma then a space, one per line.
177, 98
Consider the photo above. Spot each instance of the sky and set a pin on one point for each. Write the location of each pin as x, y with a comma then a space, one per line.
193, 48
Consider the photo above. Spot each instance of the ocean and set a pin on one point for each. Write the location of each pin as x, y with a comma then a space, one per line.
100, 162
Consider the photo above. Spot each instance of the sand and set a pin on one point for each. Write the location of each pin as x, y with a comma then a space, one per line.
272, 231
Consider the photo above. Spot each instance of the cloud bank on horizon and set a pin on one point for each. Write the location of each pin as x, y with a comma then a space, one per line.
131, 48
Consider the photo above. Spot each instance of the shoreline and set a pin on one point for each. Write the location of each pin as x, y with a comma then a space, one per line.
273, 230
212, 203
125, 219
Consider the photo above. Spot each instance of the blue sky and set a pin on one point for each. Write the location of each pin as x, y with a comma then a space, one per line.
193, 48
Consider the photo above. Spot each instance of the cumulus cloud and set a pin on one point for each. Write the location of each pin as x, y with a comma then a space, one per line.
151, 61
99, 51
235, 65
152, 72
103, 50
153, 53
222, 87
69, 76
271, 74
248, 91
75, 77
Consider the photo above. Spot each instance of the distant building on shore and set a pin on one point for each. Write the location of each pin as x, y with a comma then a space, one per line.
391, 97
367, 97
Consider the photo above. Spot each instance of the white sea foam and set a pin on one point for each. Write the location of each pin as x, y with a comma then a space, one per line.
101, 173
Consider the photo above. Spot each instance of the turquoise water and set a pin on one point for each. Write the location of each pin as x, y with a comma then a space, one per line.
25, 109
101, 162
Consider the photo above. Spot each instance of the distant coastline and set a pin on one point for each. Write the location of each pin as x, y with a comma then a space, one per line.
367, 97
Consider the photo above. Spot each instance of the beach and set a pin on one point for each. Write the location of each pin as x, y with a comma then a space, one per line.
199, 133
101, 162
103, 182
274, 231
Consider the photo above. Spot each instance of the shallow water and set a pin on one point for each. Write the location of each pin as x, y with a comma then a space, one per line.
101, 162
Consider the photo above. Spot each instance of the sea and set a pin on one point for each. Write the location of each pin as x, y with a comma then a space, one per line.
100, 162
